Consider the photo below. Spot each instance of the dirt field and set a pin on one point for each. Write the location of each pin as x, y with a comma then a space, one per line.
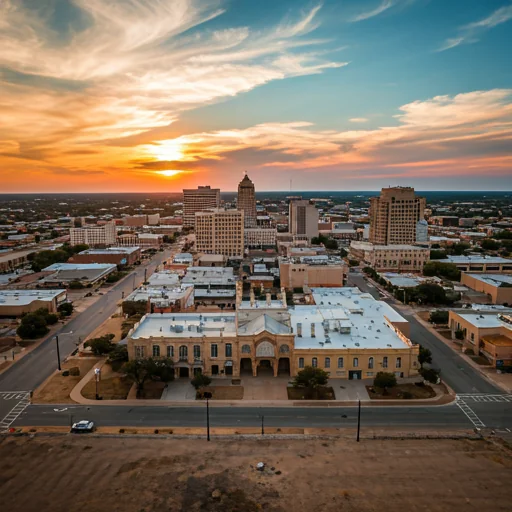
155, 475
56, 390
112, 386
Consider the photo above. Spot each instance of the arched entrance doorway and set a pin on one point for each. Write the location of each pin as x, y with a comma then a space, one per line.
245, 366
265, 368
283, 366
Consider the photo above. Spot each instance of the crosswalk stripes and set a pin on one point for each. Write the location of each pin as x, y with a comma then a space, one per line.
484, 397
471, 415
22, 403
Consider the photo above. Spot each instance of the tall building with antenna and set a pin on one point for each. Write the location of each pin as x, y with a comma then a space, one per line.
246, 201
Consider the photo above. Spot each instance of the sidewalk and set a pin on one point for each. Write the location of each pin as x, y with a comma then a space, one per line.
76, 395
503, 381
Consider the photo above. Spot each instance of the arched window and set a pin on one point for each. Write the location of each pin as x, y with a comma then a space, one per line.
327, 362
314, 362
284, 349
301, 362
246, 349
183, 352
356, 362
370, 362
340, 362
197, 352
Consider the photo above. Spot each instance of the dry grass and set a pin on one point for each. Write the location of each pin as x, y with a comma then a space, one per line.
113, 388
112, 325
416, 392
323, 393
56, 390
153, 390
302, 475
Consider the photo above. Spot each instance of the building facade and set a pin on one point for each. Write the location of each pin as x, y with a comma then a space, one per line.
398, 258
197, 200
394, 215
15, 303
246, 201
116, 255
498, 287
353, 337
303, 219
94, 236
317, 271
260, 237
220, 232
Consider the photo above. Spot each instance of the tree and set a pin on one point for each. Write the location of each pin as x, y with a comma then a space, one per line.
438, 317
425, 356
310, 379
201, 381
33, 325
102, 345
163, 370
437, 255
75, 285
37, 238
460, 248
441, 269
65, 309
142, 370
430, 375
490, 245
117, 356
132, 307
384, 380
343, 253
54, 233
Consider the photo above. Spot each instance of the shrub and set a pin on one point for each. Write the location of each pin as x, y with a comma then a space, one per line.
407, 395
121, 430
201, 381
310, 379
75, 285
430, 375
65, 373
439, 317
384, 380
75, 371
65, 309
102, 345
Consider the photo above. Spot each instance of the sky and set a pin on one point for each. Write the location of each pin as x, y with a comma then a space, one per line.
160, 95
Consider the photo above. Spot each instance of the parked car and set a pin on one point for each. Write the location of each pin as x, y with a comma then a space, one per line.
83, 426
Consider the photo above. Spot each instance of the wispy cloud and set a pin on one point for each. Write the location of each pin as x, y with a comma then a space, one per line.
135, 66
358, 120
383, 6
471, 32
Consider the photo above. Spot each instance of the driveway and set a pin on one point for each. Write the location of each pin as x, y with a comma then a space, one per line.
179, 390
350, 389
265, 387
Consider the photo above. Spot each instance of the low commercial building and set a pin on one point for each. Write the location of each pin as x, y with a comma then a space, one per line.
260, 237
400, 258
62, 274
344, 231
312, 271
498, 287
480, 263
115, 255
212, 285
485, 332
163, 278
444, 220
163, 299
150, 240
10, 260
15, 303
347, 333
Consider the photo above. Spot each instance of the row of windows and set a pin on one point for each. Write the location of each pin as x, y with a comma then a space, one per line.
355, 362
183, 351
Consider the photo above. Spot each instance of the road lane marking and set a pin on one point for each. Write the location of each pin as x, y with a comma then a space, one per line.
471, 415
12, 415
484, 397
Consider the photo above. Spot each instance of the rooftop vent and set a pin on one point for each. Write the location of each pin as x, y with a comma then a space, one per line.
357, 344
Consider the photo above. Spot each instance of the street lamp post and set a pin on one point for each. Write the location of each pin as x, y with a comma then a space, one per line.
97, 373
262, 425
207, 395
358, 420
58, 348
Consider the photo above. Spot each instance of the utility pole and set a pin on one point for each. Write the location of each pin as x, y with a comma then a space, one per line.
358, 420
262, 427
145, 274
58, 352
207, 395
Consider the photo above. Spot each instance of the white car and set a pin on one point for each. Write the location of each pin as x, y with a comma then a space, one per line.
83, 426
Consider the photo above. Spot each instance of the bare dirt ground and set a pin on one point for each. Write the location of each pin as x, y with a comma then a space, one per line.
57, 388
77, 473
112, 385
110, 326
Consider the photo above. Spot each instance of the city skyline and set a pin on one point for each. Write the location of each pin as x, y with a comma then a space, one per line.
162, 95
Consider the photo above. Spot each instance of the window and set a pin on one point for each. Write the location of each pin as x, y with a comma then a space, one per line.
229, 350
139, 351
214, 350
356, 362
170, 351
370, 362
197, 352
246, 349
301, 362
399, 362
369, 374
385, 362
327, 362
314, 362
340, 362
183, 352
284, 349
472, 336
156, 350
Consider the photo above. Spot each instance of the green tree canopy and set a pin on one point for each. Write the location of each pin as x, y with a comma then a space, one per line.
310, 379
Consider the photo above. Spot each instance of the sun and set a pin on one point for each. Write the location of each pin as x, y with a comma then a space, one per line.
169, 173
168, 150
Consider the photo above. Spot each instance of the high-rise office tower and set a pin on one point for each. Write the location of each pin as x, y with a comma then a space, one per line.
394, 216
220, 232
197, 200
303, 219
246, 201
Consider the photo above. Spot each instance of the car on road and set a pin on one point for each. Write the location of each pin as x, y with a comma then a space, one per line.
83, 426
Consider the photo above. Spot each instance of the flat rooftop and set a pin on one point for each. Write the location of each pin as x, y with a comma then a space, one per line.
9, 255
163, 278
493, 279
112, 250
180, 325
220, 276
481, 320
475, 259
499, 340
26, 297
158, 294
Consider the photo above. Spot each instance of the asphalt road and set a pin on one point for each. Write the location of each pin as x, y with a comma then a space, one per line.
456, 372
28, 373
494, 414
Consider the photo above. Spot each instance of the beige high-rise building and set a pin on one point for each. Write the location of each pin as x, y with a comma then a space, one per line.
220, 232
394, 216
94, 236
196, 200
303, 219
247, 201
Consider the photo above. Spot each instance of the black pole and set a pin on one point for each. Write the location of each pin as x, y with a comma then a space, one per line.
58, 352
207, 420
358, 420
262, 427
97, 388
145, 274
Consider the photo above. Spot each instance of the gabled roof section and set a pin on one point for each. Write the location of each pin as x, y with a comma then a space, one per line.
264, 323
